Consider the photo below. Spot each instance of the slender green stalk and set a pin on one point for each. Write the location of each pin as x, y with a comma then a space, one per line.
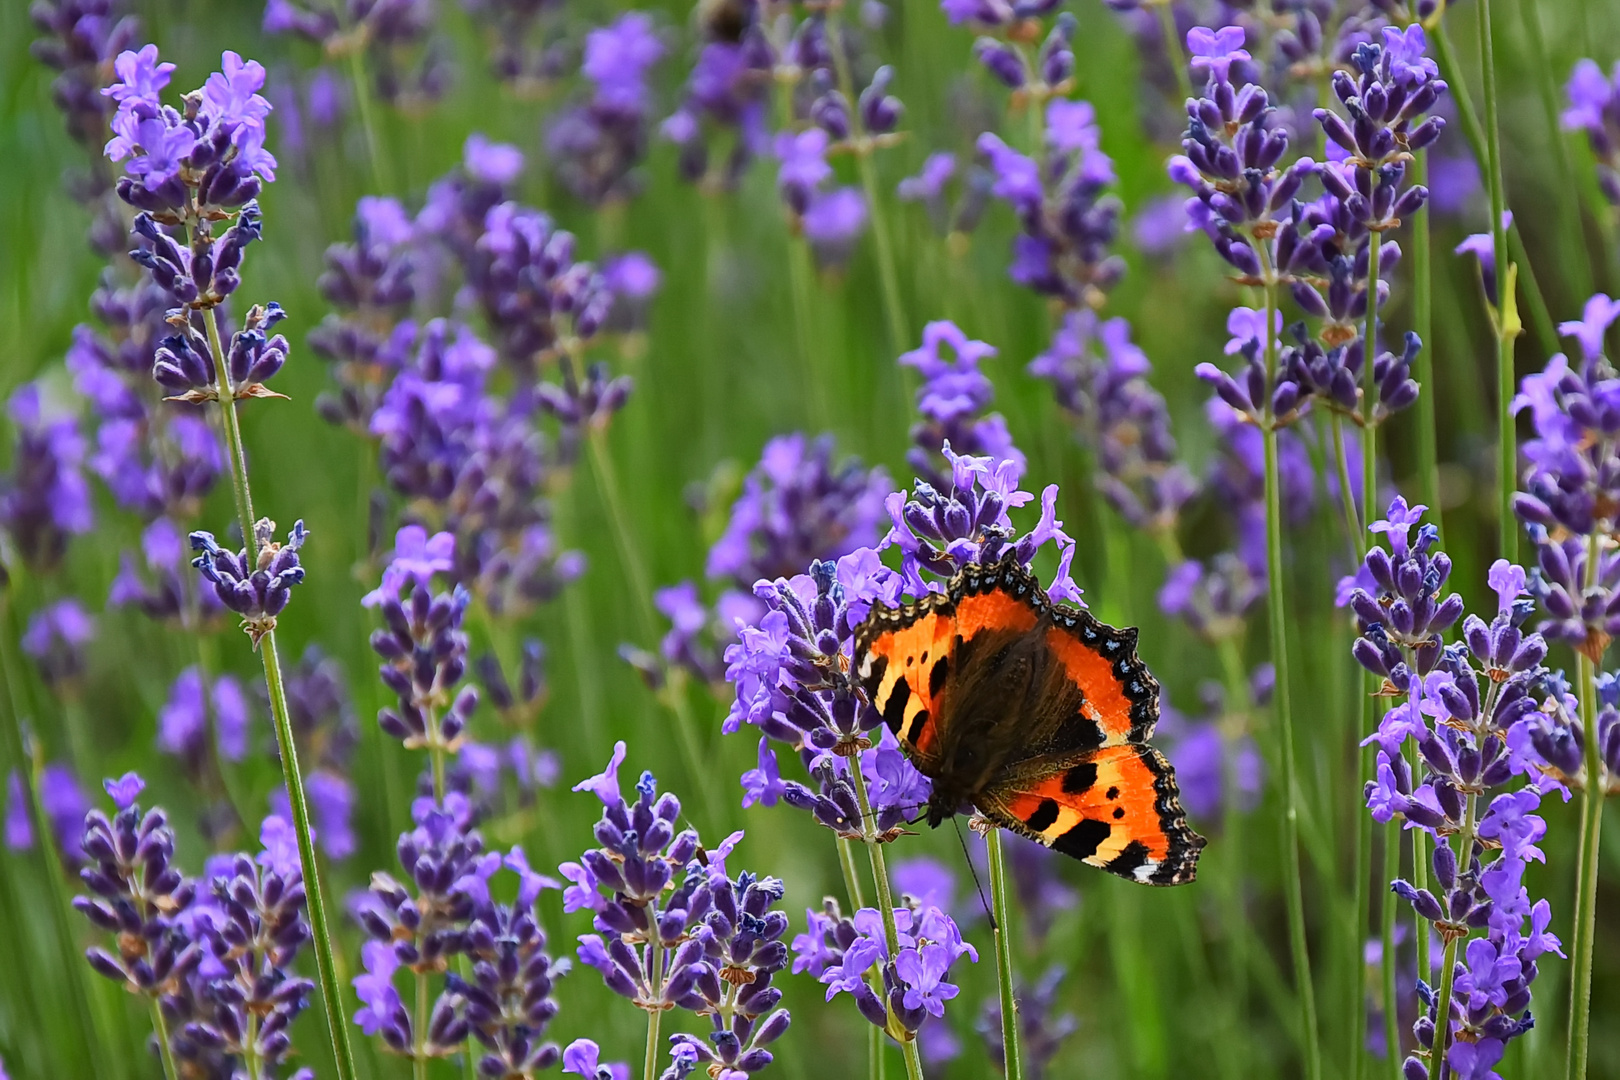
1175, 53
1448, 961
1474, 133
1580, 982
888, 280
419, 1059
1567, 211
1428, 452
1369, 510
885, 899
1293, 887
362, 100
160, 1027
1011, 1050
1392, 1020
1361, 859
1507, 447
576, 610
655, 1015
1356, 535
674, 695
292, 776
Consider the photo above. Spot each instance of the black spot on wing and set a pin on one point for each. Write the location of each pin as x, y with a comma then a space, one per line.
937, 676
1080, 778
1125, 863
894, 710
1082, 841
1043, 817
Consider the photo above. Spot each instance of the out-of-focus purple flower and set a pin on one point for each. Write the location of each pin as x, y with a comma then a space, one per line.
954, 399
56, 637
44, 500
1594, 108
1099, 377
797, 506
202, 717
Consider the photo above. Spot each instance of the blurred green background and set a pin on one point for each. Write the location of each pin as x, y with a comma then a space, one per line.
721, 373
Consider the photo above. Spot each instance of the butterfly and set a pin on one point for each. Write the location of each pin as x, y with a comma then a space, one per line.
1036, 714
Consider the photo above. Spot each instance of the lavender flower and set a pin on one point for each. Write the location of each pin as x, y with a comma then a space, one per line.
1068, 223
1100, 379
796, 506
408, 65
1594, 108
424, 653
1041, 1030
709, 943
582, 1057
55, 638
1478, 718
595, 145
725, 100
64, 804
914, 983
952, 400
260, 591
45, 500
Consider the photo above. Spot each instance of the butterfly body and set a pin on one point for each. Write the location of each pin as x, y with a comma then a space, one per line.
1035, 714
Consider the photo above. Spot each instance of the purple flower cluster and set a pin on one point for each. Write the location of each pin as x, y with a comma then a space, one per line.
423, 646
55, 640
953, 400
204, 717
955, 216
373, 281
707, 943
1470, 729
595, 146
80, 40
256, 588
64, 803
1570, 484
1594, 108
1099, 377
506, 1004
1068, 222
796, 506
831, 218
45, 500
157, 458
217, 954
725, 102
525, 40
897, 993
409, 67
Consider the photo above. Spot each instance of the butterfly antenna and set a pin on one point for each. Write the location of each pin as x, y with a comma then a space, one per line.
988, 914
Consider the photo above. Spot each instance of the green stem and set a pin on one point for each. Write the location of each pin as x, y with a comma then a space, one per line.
292, 777
1474, 133
1347, 496
1014, 1057
1175, 52
1362, 861
1580, 983
577, 611
1568, 212
419, 1060
1293, 887
1369, 511
888, 279
674, 695
1392, 1020
362, 100
885, 899
1420, 874
1448, 961
1428, 452
1507, 463
655, 1015
160, 1027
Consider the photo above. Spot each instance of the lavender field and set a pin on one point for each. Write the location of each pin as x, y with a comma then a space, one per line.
553, 537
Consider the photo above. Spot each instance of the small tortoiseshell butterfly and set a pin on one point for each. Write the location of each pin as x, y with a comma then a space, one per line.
1035, 713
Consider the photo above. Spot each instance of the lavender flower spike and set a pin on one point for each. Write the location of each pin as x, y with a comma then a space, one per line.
258, 592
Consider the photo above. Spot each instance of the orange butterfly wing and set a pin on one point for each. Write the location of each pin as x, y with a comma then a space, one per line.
1116, 808
908, 654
